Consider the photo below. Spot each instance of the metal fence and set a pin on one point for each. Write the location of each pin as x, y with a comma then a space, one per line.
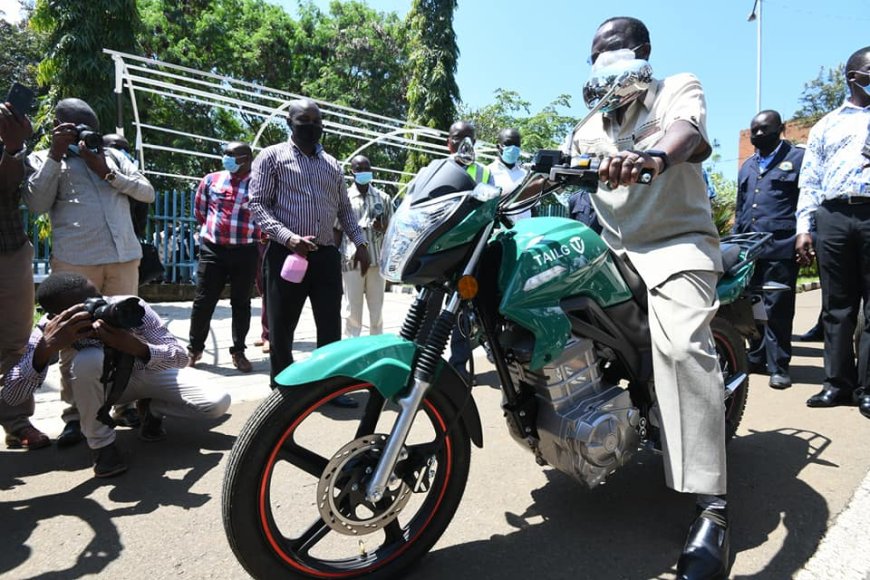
171, 228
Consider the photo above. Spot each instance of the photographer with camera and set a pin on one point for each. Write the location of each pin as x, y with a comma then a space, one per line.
86, 190
373, 210
16, 284
88, 328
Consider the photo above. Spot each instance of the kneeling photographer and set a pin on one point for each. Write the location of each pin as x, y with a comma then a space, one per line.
111, 364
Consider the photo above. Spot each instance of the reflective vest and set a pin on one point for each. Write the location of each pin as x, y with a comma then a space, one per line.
479, 173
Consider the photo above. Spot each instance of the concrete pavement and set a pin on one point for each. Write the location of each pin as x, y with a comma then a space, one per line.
793, 472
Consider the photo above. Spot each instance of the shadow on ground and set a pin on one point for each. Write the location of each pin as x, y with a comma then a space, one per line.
192, 448
633, 527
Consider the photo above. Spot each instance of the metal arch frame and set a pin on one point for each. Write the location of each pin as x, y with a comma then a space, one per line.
167, 80
364, 146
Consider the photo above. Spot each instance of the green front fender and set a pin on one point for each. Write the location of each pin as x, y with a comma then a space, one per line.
383, 360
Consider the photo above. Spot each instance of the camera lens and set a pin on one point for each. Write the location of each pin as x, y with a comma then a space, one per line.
92, 139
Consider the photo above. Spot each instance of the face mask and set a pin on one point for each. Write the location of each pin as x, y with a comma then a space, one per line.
230, 163
363, 177
73, 148
128, 155
865, 88
616, 68
765, 142
510, 154
308, 134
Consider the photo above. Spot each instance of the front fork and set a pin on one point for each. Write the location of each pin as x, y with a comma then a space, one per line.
425, 366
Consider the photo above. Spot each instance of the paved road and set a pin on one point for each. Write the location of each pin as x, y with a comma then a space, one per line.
792, 471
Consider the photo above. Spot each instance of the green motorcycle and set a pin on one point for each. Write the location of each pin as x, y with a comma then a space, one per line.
312, 491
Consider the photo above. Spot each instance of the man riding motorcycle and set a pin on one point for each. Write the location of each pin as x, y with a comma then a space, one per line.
665, 230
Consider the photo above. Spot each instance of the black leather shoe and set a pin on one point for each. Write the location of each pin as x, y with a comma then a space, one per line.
108, 461
780, 381
151, 429
71, 434
815, 334
830, 397
864, 404
345, 402
707, 554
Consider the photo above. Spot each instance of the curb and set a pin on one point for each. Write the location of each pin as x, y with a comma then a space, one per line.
807, 286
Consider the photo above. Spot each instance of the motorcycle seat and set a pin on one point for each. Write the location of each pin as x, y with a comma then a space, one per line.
633, 280
730, 255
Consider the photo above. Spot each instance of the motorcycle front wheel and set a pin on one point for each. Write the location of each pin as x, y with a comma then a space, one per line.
294, 501
731, 349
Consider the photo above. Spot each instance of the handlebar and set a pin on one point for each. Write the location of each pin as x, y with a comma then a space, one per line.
552, 169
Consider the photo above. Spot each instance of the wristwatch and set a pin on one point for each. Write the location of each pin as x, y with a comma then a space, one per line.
110, 176
661, 155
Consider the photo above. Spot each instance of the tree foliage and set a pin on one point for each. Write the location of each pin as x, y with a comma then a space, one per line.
823, 94
545, 129
351, 55
19, 64
432, 90
74, 64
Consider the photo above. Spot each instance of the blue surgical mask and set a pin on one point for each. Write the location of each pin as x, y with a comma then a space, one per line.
230, 163
510, 154
73, 148
363, 177
865, 88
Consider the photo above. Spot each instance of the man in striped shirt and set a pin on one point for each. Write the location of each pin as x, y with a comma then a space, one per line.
373, 210
227, 251
297, 192
158, 380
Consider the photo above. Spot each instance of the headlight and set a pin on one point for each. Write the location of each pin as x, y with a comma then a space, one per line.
410, 226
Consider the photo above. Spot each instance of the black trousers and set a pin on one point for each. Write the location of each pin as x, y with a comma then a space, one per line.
217, 265
773, 348
321, 285
843, 251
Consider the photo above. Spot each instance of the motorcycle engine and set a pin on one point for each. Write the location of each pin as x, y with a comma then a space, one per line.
587, 428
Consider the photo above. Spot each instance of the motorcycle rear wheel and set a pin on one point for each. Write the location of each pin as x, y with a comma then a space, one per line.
296, 455
731, 349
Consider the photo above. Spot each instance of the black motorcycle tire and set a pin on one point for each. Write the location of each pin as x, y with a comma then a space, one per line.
248, 519
731, 348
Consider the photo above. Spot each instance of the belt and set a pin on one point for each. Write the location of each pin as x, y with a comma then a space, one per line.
848, 200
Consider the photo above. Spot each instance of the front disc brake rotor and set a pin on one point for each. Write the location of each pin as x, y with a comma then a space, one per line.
341, 491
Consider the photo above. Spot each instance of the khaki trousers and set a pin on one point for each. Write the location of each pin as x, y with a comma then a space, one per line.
356, 287
16, 312
185, 393
689, 387
121, 279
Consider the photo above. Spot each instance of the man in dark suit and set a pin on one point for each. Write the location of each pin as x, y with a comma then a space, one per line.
767, 195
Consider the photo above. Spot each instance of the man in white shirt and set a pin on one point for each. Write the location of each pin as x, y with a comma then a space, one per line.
505, 170
373, 210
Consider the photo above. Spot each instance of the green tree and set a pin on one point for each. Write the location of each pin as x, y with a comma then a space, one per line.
545, 129
74, 64
19, 64
823, 94
366, 68
351, 55
432, 89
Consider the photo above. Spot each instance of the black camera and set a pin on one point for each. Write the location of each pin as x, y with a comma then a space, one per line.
93, 140
126, 314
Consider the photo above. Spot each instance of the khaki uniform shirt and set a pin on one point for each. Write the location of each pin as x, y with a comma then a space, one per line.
665, 227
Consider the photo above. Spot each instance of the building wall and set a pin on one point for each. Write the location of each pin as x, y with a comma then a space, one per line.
795, 131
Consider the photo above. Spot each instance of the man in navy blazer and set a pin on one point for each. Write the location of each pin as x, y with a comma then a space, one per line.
767, 195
